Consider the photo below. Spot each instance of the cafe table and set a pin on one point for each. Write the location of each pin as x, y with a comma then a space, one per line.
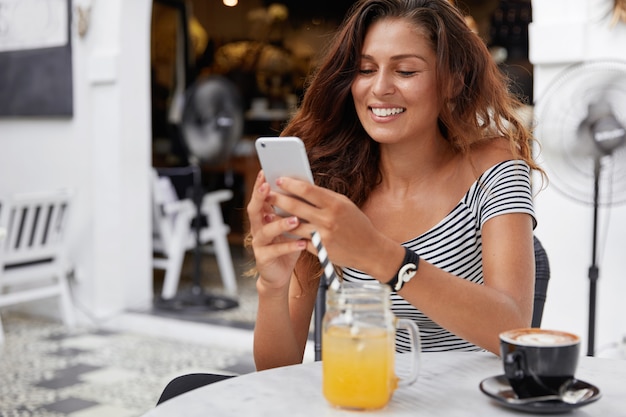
448, 386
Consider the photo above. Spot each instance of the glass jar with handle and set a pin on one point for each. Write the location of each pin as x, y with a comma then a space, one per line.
358, 347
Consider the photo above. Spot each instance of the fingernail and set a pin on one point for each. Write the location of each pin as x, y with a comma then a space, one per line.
268, 218
279, 181
293, 220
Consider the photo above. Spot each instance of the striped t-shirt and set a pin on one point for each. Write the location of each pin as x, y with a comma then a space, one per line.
455, 245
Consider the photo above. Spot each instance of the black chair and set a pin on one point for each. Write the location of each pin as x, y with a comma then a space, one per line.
542, 276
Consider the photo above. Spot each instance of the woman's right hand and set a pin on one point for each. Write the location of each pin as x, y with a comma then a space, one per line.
275, 254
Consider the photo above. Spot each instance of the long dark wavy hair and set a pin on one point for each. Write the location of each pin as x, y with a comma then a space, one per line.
479, 106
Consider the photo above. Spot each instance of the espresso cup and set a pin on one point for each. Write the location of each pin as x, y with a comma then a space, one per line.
539, 361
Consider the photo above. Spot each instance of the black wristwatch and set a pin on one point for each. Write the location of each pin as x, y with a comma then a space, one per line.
406, 271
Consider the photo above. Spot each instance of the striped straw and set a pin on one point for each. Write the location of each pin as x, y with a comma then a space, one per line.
329, 269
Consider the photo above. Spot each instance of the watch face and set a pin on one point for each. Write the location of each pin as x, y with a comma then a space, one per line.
407, 271
405, 274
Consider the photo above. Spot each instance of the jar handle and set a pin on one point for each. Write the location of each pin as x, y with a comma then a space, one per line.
416, 348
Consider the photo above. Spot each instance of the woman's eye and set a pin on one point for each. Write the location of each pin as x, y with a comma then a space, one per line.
407, 73
366, 71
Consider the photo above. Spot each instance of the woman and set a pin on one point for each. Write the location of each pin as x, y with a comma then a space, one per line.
418, 158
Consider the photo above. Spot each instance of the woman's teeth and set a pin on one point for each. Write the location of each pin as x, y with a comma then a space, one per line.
386, 112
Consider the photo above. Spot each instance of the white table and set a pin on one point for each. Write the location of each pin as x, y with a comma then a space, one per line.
448, 386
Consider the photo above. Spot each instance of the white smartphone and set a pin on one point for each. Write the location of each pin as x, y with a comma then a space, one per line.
283, 157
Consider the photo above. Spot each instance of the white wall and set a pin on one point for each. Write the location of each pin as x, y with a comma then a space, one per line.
563, 33
102, 152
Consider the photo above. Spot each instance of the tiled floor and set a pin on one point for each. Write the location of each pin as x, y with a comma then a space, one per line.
46, 370
119, 368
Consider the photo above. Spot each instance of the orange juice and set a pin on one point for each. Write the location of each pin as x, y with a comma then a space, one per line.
358, 367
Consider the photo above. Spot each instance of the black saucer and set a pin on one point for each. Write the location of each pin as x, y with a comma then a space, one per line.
498, 388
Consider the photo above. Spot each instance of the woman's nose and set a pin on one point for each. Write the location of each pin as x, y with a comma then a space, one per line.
382, 84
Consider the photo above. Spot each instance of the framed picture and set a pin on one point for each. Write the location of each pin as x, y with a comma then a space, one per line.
35, 58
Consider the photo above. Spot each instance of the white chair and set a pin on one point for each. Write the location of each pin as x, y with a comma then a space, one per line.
33, 262
173, 234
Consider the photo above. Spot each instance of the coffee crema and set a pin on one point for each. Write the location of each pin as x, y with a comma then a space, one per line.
539, 337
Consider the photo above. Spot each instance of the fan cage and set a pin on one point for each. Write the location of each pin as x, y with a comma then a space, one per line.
566, 151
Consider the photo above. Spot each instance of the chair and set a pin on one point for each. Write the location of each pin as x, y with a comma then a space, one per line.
174, 234
542, 276
33, 262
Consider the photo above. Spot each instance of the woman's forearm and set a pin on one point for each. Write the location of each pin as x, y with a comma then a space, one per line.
275, 343
474, 312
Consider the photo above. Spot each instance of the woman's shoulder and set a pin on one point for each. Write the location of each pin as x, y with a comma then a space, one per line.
490, 153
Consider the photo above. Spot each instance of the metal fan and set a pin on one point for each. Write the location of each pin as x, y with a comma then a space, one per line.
212, 119
211, 124
581, 123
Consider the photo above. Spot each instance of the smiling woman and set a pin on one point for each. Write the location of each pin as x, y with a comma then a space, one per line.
416, 149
